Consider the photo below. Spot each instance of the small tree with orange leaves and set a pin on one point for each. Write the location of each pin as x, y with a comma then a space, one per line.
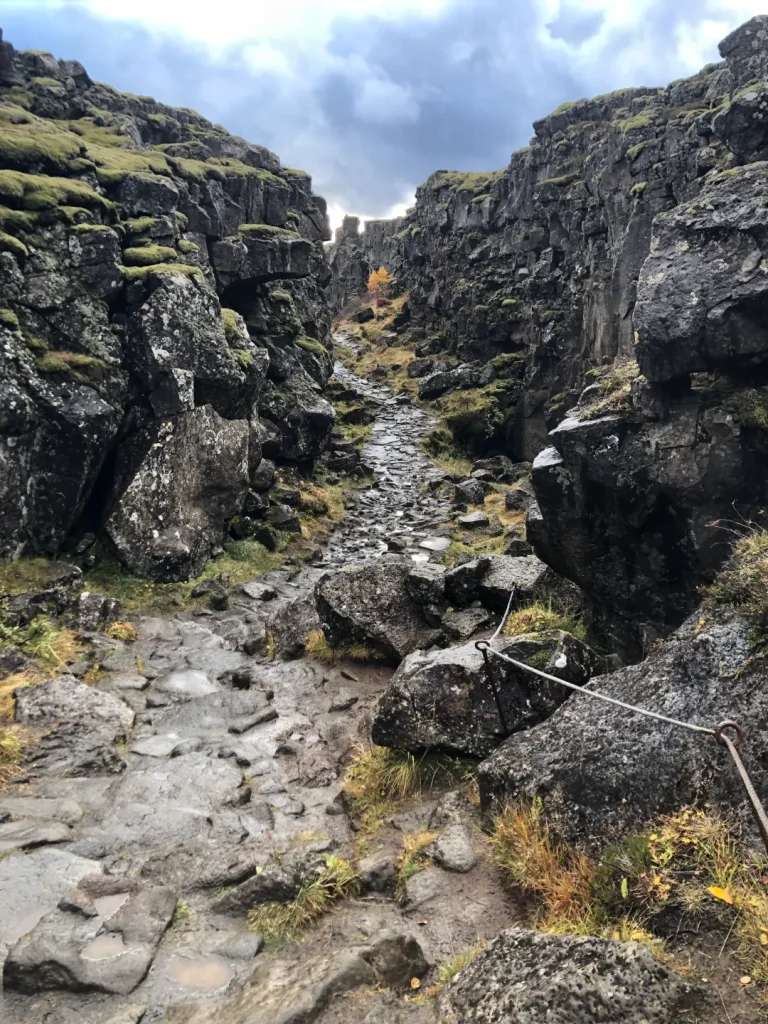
377, 283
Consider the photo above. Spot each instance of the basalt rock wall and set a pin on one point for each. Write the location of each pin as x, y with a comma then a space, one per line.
622, 251
164, 320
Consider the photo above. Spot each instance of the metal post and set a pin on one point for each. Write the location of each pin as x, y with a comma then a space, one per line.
483, 646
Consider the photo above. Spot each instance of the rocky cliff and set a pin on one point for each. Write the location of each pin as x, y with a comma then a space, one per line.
622, 250
164, 322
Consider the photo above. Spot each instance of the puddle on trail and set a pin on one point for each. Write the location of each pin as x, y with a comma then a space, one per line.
199, 973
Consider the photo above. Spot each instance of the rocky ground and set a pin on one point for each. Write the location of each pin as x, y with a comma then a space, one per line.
203, 775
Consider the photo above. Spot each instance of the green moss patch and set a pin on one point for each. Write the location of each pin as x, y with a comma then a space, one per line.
42, 192
10, 244
311, 345
267, 231
70, 363
9, 319
147, 255
139, 273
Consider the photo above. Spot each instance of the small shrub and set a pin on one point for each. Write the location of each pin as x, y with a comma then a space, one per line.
125, 631
281, 921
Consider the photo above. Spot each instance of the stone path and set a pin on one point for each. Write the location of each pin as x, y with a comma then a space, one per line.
402, 509
194, 779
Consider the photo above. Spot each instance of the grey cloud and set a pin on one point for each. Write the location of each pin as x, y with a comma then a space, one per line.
468, 84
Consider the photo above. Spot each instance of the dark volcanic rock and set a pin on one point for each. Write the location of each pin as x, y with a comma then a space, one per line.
190, 482
186, 273
445, 700
602, 771
526, 977
370, 603
702, 293
640, 534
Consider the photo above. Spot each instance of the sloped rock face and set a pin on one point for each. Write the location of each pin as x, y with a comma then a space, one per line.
601, 771
526, 977
151, 265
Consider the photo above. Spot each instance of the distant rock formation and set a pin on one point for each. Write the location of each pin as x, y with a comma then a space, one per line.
623, 250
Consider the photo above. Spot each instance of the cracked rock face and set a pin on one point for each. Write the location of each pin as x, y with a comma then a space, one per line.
602, 772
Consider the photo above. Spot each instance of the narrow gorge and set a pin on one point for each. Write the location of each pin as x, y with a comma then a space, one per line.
294, 568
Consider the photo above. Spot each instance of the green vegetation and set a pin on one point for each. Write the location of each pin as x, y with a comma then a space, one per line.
9, 319
114, 163
634, 151
11, 752
140, 225
38, 143
41, 192
413, 857
379, 779
17, 220
638, 188
311, 345
440, 444
539, 617
281, 295
244, 356
316, 896
615, 390
48, 644
10, 244
125, 631
187, 247
743, 582
147, 255
642, 119
75, 363
267, 231
233, 331
464, 181
140, 273
751, 408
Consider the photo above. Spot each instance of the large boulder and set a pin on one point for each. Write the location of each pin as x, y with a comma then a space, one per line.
630, 508
527, 977
494, 579
191, 478
703, 290
602, 771
445, 700
370, 603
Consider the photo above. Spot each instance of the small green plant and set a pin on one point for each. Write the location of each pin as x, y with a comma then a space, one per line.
316, 896
414, 856
125, 631
42, 640
11, 752
378, 779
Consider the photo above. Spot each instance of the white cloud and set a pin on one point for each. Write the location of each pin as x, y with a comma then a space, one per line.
382, 101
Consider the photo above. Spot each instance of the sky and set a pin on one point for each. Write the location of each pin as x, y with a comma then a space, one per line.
371, 96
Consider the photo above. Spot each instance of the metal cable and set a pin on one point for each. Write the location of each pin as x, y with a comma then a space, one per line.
485, 646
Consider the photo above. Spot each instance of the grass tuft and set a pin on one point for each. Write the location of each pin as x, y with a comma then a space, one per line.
743, 583
125, 631
615, 385
278, 922
413, 857
539, 617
